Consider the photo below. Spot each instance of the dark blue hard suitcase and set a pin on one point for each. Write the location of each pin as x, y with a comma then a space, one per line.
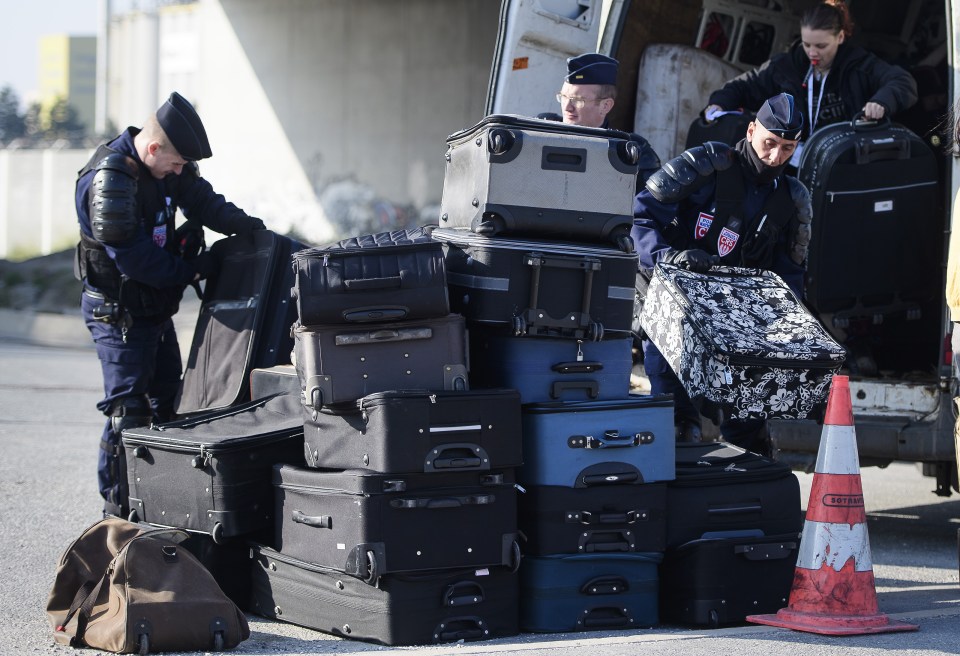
436, 606
590, 443
598, 519
589, 592
545, 369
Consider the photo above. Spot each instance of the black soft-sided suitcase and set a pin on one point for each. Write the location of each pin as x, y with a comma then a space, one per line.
387, 276
411, 431
729, 129
589, 592
369, 524
337, 363
741, 342
278, 379
720, 488
212, 472
590, 443
600, 519
539, 287
417, 608
521, 175
874, 192
244, 320
722, 579
547, 369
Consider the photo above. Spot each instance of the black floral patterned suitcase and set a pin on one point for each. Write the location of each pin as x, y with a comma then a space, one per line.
741, 342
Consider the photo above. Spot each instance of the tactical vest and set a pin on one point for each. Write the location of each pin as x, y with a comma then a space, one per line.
94, 266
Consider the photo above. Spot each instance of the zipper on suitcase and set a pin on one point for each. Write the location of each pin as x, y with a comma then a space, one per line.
832, 194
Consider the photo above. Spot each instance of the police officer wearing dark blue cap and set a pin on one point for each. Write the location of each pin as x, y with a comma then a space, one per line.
134, 269
588, 94
734, 206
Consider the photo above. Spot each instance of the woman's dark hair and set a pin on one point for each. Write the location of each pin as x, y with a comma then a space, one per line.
831, 16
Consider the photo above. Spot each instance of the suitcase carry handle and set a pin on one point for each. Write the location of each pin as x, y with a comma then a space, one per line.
456, 456
460, 628
361, 315
316, 521
463, 593
385, 335
444, 502
611, 439
589, 480
591, 519
613, 617
364, 284
581, 367
605, 585
558, 158
776, 551
592, 387
621, 541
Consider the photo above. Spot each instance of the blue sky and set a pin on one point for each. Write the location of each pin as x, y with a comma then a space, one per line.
23, 22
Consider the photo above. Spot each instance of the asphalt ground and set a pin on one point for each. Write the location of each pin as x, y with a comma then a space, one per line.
50, 381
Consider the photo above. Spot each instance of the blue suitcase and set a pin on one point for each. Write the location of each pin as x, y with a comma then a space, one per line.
543, 369
580, 592
588, 443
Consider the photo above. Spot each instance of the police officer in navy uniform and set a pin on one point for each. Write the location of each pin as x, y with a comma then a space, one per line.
720, 205
134, 272
588, 94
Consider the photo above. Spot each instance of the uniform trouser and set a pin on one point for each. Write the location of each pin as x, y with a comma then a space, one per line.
146, 364
751, 434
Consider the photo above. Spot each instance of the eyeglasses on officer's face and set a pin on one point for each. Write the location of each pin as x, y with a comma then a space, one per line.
576, 101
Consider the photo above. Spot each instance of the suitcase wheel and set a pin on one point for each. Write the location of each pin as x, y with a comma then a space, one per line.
714, 620
217, 533
488, 225
516, 555
133, 516
218, 642
143, 644
519, 326
623, 240
373, 572
595, 331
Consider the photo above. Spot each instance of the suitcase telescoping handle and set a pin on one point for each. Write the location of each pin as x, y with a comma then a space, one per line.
316, 521
463, 593
443, 502
611, 439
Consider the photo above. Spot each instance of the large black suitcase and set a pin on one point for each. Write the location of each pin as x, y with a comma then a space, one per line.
338, 363
720, 488
741, 342
212, 472
411, 431
722, 579
244, 320
589, 592
874, 191
387, 276
369, 524
417, 608
547, 369
554, 519
522, 175
539, 287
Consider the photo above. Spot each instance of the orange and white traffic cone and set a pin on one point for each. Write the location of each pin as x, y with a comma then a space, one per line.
833, 591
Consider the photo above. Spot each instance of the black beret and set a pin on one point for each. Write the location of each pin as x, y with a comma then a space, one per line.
180, 121
780, 116
592, 68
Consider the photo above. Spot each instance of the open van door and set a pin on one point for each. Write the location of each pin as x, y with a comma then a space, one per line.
533, 43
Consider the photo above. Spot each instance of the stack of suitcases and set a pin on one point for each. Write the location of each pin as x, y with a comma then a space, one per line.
401, 528
453, 452
535, 223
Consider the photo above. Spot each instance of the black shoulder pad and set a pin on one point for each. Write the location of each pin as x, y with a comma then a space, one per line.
680, 176
121, 163
113, 215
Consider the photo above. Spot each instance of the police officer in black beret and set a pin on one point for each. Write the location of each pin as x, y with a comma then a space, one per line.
588, 94
134, 269
720, 205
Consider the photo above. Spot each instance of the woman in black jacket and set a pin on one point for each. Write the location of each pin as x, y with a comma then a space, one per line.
831, 78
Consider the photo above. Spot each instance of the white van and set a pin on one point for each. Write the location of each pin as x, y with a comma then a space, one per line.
673, 53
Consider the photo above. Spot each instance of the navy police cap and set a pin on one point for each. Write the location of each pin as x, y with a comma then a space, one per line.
592, 68
182, 124
780, 116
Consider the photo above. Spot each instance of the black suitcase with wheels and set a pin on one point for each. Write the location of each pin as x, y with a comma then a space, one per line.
369, 524
539, 288
244, 321
511, 174
419, 608
874, 190
212, 472
388, 276
418, 431
721, 579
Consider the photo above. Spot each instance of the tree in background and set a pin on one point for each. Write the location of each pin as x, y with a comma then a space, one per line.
62, 122
12, 123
